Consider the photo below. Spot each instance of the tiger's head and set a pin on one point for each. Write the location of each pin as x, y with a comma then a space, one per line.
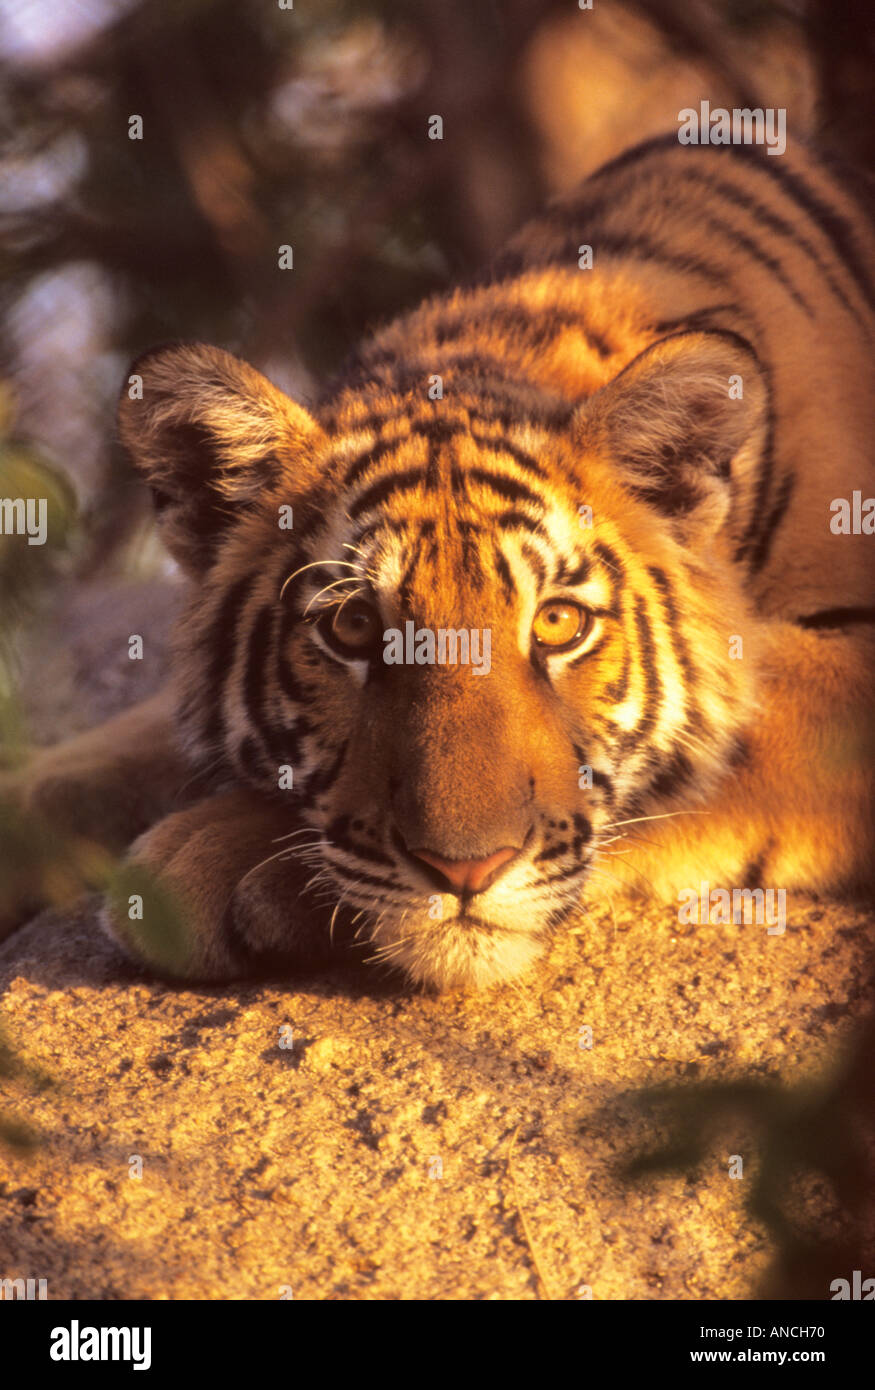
470, 639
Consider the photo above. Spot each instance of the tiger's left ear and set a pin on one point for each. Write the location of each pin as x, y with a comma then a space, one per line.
686, 423
211, 435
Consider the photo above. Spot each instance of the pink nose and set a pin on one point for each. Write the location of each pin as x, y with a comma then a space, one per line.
468, 875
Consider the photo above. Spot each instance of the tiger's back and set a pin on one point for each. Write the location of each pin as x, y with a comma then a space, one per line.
778, 250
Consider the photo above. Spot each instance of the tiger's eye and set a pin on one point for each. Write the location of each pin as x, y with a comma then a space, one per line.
356, 625
559, 623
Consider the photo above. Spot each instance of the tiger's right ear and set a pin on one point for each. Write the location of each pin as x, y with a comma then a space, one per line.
211, 435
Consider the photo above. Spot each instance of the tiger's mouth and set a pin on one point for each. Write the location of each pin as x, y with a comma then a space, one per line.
458, 952
453, 937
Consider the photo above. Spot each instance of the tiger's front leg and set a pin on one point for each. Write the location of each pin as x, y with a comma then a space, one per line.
220, 891
109, 783
799, 811
77, 799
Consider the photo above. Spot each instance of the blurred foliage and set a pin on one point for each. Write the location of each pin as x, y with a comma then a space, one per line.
18, 1134
161, 937
810, 1180
26, 571
261, 128
41, 864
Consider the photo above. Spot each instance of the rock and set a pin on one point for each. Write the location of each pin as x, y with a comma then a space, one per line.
370, 1159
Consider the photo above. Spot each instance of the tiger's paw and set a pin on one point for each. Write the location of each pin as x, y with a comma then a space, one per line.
98, 785
214, 893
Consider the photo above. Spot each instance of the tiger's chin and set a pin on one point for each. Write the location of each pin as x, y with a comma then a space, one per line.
457, 952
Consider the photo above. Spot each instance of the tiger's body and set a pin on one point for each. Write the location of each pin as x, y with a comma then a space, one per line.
649, 448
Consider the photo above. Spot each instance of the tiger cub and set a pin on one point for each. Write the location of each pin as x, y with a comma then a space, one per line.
566, 585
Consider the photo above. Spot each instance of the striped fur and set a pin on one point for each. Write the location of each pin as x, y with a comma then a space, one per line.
563, 388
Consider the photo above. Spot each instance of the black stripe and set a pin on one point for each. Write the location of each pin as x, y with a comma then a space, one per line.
607, 243
756, 253
222, 642
654, 145
322, 778
589, 653
758, 518
697, 321
754, 870
438, 428
681, 650
572, 871
672, 777
537, 328
618, 689
554, 852
407, 579
289, 681
652, 682
281, 745
476, 364
831, 223
257, 662
611, 560
504, 574
387, 487
536, 562
551, 414
761, 551
508, 488
358, 878
736, 195
499, 445
373, 455
472, 565
406, 380
835, 227
762, 214
249, 757
512, 518
695, 722
599, 779
570, 577
338, 833
584, 832
837, 617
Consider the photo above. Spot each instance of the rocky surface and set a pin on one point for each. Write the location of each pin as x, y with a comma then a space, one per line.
407, 1145
371, 1158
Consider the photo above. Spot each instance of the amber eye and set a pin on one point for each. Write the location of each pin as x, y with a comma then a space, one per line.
353, 628
560, 624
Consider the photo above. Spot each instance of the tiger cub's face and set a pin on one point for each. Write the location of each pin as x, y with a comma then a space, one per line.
469, 652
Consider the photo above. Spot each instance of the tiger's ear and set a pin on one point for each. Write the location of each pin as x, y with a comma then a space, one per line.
687, 425
210, 434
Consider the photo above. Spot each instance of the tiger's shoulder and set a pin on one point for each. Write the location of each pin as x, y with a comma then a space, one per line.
663, 240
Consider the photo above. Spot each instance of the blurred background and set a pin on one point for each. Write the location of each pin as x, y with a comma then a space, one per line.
307, 126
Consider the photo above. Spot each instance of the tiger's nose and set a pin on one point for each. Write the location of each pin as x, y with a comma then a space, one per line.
467, 875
